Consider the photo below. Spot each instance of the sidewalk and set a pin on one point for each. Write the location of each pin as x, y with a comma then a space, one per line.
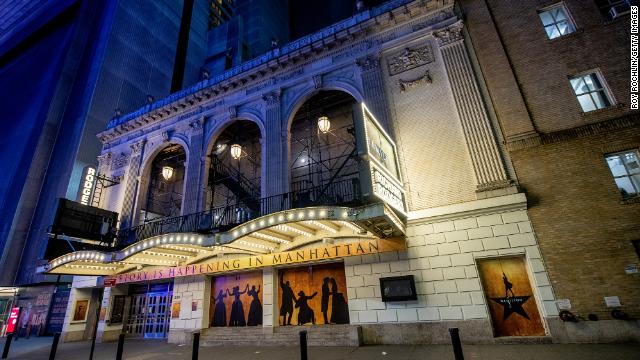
24, 345
156, 349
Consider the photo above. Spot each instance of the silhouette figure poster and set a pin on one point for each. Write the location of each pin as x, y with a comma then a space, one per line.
236, 300
510, 298
313, 294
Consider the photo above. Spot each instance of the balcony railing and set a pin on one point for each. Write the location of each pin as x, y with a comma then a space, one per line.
339, 193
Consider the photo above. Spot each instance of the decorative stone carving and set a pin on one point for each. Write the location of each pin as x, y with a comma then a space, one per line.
165, 136
368, 63
104, 160
196, 124
136, 148
409, 58
449, 34
272, 98
119, 161
233, 112
317, 81
406, 85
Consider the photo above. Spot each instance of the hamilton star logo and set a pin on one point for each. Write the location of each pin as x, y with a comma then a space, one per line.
512, 304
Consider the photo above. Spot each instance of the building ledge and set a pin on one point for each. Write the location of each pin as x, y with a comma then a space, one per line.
501, 203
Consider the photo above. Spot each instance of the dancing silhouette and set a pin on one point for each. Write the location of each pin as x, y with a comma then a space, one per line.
255, 311
508, 287
305, 314
324, 304
237, 312
288, 298
339, 306
220, 312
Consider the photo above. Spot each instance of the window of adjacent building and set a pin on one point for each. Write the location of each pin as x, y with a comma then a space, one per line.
636, 245
625, 168
590, 91
611, 9
556, 21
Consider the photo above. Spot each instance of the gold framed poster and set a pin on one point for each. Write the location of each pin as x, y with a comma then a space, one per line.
175, 310
80, 309
313, 294
510, 298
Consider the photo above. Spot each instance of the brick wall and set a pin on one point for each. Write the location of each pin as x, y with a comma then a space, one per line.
584, 227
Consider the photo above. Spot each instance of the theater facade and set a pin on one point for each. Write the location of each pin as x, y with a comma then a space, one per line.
352, 181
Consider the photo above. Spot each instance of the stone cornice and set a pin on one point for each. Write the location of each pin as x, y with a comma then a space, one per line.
627, 121
471, 208
207, 94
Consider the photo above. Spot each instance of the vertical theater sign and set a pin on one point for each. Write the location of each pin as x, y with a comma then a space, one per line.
380, 173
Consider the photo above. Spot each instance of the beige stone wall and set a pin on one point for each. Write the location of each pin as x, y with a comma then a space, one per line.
434, 158
442, 255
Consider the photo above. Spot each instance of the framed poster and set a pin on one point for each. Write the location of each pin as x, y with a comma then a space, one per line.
398, 288
236, 300
80, 309
313, 294
509, 296
117, 309
175, 309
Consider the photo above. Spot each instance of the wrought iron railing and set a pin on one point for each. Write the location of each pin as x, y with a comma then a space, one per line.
344, 192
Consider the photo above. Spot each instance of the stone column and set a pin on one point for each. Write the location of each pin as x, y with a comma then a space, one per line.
487, 162
269, 300
193, 191
127, 214
373, 89
275, 159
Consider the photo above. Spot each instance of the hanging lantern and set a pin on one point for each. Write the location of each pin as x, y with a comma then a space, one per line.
236, 151
324, 124
167, 172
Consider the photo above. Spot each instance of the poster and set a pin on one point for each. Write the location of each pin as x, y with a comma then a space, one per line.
510, 298
236, 300
175, 309
58, 310
117, 309
314, 294
80, 310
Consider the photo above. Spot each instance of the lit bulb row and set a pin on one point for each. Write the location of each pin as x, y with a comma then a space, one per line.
350, 226
322, 226
181, 248
270, 238
283, 217
153, 253
257, 246
294, 230
186, 239
158, 261
88, 256
94, 267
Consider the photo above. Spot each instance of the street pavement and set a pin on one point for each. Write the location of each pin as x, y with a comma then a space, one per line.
38, 349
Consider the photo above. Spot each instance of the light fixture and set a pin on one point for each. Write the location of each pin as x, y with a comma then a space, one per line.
324, 124
167, 172
236, 151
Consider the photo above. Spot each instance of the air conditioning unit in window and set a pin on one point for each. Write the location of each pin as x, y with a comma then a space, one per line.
619, 8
